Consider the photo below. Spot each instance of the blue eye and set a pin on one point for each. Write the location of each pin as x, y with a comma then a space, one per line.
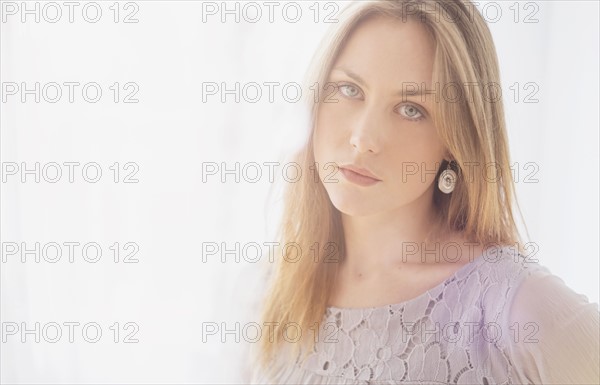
411, 112
348, 90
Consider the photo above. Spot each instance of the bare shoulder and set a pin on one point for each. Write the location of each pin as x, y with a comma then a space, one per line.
454, 251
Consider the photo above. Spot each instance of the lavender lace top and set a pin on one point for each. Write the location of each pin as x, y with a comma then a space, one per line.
499, 319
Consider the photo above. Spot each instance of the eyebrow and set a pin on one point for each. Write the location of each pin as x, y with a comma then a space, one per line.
411, 92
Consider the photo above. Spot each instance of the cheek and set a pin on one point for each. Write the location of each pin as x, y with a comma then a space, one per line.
415, 161
327, 135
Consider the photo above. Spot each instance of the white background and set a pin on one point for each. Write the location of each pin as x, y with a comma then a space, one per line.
170, 212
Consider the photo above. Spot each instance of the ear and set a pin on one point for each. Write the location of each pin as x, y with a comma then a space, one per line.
448, 156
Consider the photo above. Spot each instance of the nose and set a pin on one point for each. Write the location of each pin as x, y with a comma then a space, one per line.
365, 132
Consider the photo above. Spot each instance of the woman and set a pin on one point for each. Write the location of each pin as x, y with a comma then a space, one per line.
411, 268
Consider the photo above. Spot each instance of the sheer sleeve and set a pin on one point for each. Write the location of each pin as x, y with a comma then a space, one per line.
553, 333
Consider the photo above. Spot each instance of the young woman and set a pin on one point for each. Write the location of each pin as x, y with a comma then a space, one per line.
407, 265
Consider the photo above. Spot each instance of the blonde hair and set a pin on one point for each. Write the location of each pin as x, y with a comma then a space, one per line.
473, 130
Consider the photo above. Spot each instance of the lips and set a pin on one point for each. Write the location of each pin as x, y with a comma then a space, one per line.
359, 176
360, 171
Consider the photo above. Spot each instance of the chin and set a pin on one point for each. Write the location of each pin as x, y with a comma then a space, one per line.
352, 204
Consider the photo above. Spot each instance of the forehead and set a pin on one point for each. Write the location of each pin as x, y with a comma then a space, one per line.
383, 50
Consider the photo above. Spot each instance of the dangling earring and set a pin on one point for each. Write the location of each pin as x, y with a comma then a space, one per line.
447, 180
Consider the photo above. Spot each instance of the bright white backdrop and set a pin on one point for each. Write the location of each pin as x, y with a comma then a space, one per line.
171, 217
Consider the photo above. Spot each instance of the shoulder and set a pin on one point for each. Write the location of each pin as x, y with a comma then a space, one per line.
538, 295
518, 288
551, 330
495, 276
544, 296
483, 287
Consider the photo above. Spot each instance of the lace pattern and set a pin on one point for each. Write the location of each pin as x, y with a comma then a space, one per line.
454, 333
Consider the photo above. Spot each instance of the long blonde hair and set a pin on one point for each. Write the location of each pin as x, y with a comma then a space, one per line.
473, 130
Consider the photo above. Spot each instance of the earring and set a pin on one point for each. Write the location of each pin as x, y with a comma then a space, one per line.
447, 180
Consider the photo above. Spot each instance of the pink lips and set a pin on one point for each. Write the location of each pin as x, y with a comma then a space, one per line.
359, 176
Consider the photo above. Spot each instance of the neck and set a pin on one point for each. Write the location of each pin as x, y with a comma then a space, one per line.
379, 242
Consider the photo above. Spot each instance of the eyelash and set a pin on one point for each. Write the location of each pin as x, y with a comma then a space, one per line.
340, 85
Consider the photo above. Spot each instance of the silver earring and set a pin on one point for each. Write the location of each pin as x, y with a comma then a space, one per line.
447, 180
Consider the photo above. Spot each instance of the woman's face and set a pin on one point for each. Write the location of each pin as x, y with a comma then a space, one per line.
366, 122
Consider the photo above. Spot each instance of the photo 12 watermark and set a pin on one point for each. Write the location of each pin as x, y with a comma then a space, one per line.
53, 332
69, 92
71, 12
69, 172
290, 12
69, 252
